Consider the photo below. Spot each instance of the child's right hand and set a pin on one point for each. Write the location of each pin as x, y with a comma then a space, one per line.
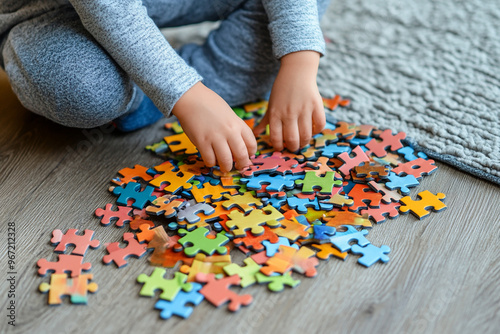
219, 134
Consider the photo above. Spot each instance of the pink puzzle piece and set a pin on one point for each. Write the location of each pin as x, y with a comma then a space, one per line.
350, 163
393, 142
81, 242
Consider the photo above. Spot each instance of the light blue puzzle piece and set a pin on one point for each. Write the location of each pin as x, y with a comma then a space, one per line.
371, 254
333, 150
403, 183
178, 305
409, 153
323, 232
342, 240
275, 182
272, 249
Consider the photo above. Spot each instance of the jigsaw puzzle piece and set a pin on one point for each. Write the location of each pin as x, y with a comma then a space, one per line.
327, 250
342, 240
66, 263
167, 205
197, 241
371, 254
119, 255
190, 212
178, 305
323, 184
180, 143
217, 292
81, 242
169, 287
277, 282
272, 248
388, 140
403, 183
132, 191
246, 273
239, 223
121, 216
380, 214
349, 163
255, 241
420, 207
388, 196
76, 288
417, 167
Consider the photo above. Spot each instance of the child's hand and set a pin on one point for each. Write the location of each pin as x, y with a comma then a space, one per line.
295, 112
214, 128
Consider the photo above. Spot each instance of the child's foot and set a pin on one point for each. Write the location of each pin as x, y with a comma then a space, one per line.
146, 114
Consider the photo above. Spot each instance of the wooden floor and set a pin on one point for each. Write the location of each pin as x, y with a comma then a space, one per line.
443, 276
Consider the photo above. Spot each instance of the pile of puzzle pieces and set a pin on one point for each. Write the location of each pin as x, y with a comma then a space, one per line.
283, 213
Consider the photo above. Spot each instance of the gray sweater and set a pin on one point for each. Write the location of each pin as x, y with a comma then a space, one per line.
130, 36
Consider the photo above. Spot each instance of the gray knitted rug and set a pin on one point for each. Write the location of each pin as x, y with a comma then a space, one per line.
430, 68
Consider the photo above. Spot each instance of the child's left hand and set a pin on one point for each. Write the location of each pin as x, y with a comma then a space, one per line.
295, 112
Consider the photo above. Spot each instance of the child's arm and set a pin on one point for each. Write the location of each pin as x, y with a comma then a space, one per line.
295, 110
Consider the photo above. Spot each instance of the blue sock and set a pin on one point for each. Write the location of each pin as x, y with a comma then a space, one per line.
146, 114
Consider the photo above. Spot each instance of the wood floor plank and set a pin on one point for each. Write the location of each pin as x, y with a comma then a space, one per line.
442, 277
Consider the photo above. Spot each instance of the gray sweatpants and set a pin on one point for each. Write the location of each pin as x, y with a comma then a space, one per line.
58, 70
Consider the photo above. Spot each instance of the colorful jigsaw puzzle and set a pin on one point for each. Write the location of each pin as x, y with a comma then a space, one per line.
283, 213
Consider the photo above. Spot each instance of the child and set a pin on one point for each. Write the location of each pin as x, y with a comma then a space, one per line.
83, 63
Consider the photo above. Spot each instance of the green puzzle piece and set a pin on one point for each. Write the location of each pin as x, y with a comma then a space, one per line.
156, 281
277, 282
312, 182
247, 273
199, 242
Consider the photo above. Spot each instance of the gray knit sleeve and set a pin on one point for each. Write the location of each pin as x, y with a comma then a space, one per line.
129, 35
294, 26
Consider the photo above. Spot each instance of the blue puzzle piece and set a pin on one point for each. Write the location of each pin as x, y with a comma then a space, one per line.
275, 182
323, 232
371, 254
132, 191
409, 153
178, 305
403, 183
342, 240
356, 141
333, 150
277, 203
301, 204
272, 249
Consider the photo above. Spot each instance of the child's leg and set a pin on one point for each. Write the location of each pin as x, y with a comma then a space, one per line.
58, 70
237, 61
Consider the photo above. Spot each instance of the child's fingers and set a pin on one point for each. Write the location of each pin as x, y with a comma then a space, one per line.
318, 119
261, 127
305, 130
291, 135
250, 142
240, 152
276, 133
224, 156
207, 154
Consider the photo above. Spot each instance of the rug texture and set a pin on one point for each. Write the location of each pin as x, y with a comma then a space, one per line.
430, 68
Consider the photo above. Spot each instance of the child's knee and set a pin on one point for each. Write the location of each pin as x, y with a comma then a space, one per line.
76, 90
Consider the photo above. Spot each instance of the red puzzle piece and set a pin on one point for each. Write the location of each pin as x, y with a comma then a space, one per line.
255, 242
120, 216
418, 168
393, 142
81, 242
363, 197
118, 254
132, 174
350, 163
379, 215
65, 263
217, 292
277, 162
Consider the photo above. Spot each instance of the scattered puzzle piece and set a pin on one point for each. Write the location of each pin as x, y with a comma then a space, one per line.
246, 273
198, 241
217, 292
253, 221
388, 140
427, 201
119, 255
66, 263
277, 282
178, 305
169, 287
342, 240
371, 254
121, 216
81, 242
76, 288
132, 191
